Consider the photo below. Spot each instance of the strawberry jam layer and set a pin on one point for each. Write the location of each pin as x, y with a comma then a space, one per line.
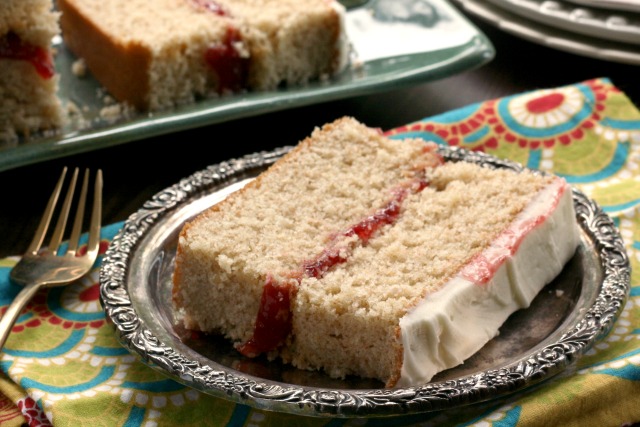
228, 62
226, 59
13, 47
449, 325
273, 322
334, 254
274, 319
483, 267
211, 6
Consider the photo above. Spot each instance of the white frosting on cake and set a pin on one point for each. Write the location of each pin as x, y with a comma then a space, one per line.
452, 324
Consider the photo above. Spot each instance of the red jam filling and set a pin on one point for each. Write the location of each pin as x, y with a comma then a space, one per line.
211, 6
228, 63
273, 323
327, 259
12, 47
366, 228
483, 267
224, 58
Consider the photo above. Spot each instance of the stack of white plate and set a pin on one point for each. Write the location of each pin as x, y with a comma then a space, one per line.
604, 29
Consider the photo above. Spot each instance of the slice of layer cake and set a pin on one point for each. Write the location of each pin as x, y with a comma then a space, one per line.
357, 254
159, 54
28, 83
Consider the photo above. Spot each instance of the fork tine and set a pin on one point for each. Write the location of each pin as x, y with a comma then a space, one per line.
35, 270
41, 231
56, 238
96, 214
77, 223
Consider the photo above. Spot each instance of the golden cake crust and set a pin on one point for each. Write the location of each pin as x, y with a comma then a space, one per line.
123, 68
158, 55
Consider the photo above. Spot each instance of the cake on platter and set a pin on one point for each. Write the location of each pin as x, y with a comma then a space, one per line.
356, 254
28, 81
157, 55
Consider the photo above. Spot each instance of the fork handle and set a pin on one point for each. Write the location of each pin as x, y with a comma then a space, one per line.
12, 313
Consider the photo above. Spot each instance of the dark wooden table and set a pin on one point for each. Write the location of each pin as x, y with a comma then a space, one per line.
135, 171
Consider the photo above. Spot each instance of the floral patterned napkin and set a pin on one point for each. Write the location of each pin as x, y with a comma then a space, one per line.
63, 366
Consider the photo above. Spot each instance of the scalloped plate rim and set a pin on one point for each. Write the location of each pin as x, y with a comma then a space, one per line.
243, 388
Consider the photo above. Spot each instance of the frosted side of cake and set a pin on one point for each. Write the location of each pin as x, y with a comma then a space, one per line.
375, 312
450, 325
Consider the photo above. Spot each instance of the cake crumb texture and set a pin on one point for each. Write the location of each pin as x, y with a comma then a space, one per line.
287, 215
28, 84
161, 54
361, 232
355, 310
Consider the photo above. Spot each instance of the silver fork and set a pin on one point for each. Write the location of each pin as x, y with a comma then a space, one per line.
51, 266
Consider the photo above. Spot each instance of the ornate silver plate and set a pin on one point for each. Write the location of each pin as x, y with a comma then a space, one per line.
571, 314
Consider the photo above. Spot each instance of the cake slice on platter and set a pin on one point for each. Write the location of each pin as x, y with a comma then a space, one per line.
360, 255
28, 82
158, 54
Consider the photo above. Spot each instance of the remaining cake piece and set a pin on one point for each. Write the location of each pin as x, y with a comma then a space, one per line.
357, 254
158, 54
28, 83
